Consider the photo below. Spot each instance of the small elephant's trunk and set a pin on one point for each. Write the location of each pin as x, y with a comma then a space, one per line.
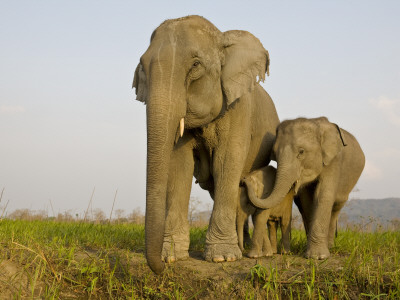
282, 186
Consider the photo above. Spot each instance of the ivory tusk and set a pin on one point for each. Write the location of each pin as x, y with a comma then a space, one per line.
181, 126
296, 187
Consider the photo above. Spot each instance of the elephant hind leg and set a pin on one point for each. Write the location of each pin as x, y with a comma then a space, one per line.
242, 220
304, 202
240, 228
286, 228
333, 223
246, 234
272, 230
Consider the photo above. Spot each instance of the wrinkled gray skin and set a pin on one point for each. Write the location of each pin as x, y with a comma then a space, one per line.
193, 71
312, 156
262, 182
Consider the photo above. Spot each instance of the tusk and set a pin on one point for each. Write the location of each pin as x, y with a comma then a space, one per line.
181, 126
296, 187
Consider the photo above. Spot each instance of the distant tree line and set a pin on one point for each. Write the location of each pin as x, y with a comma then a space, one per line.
196, 217
96, 216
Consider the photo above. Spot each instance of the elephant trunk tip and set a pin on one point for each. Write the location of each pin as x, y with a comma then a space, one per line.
156, 266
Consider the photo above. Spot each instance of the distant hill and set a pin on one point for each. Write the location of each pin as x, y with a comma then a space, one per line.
367, 211
356, 211
382, 210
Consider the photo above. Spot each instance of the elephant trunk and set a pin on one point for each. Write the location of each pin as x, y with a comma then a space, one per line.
164, 117
285, 178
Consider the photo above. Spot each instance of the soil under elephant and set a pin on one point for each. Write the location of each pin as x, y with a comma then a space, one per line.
225, 280
193, 278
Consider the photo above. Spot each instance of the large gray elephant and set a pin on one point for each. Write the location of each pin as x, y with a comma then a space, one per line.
323, 163
262, 182
204, 108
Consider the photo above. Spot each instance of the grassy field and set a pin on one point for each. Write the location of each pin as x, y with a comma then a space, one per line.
61, 260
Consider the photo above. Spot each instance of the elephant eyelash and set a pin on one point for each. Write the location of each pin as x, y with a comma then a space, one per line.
196, 63
195, 71
301, 153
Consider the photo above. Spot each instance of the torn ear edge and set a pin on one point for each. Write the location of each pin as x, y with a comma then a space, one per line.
332, 142
139, 83
245, 64
340, 134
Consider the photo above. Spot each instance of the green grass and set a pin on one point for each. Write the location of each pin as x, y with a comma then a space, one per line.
57, 260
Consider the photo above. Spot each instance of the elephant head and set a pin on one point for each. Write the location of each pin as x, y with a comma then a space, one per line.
190, 74
303, 149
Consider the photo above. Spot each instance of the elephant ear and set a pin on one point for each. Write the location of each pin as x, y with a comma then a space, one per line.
246, 62
331, 141
139, 83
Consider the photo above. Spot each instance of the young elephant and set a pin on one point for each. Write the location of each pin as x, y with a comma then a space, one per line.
262, 181
323, 162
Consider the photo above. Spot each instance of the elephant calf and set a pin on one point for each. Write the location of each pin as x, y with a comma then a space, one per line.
323, 163
262, 181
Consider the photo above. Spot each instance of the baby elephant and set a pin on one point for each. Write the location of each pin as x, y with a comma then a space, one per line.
262, 181
323, 163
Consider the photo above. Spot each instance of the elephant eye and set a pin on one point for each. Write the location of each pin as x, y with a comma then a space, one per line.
195, 72
301, 152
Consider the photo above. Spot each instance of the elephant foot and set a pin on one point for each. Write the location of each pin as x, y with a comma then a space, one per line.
246, 239
317, 253
255, 253
173, 258
284, 251
222, 252
173, 251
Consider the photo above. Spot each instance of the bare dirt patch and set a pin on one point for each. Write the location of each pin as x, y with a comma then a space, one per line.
204, 280
15, 279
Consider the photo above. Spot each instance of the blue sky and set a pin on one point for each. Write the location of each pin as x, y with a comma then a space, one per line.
69, 121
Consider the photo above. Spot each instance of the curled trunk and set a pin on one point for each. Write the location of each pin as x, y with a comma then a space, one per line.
283, 183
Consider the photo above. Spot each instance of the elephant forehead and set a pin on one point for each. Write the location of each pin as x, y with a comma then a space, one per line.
305, 139
190, 24
300, 130
188, 32
297, 138
181, 48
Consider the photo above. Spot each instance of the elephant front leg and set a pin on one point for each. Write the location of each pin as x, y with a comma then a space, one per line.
261, 245
176, 235
221, 239
286, 228
317, 239
272, 229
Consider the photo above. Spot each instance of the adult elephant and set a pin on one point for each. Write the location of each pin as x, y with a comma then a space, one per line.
323, 163
206, 116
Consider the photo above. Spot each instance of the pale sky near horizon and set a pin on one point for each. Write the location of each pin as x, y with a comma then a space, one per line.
69, 122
